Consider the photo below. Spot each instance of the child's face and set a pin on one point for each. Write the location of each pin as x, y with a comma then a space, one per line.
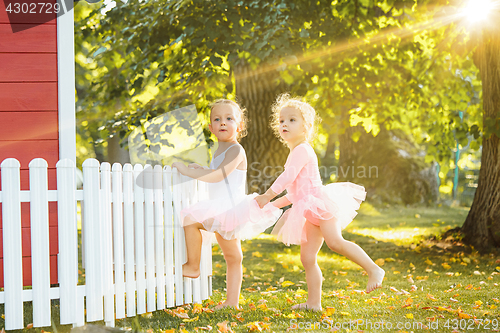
292, 125
224, 123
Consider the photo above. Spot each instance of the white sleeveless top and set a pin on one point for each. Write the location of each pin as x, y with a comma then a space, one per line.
232, 187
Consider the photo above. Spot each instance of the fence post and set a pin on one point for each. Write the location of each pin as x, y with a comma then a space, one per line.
116, 181
169, 234
128, 226
40, 253
159, 235
139, 238
179, 245
206, 250
150, 237
92, 240
107, 245
12, 244
68, 247
184, 203
191, 193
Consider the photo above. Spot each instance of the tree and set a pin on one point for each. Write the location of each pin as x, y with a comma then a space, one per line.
197, 51
482, 226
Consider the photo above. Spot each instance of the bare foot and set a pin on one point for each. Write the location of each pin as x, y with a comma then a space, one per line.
306, 306
226, 305
190, 272
375, 279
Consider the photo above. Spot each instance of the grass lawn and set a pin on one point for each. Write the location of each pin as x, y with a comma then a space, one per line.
432, 282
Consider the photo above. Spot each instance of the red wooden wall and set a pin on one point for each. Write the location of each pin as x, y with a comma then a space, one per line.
28, 115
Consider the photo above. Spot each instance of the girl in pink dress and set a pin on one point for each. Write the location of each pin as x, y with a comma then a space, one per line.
318, 213
229, 213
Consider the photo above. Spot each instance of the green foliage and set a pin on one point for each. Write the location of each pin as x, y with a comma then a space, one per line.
392, 168
382, 64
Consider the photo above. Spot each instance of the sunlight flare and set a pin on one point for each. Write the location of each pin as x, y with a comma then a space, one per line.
478, 10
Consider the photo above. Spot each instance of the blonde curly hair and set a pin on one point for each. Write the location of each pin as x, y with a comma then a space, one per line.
311, 119
241, 112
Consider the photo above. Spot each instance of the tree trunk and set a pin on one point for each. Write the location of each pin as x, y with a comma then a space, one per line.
348, 149
116, 153
482, 226
329, 162
257, 90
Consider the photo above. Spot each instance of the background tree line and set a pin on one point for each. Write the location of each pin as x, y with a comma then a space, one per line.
397, 83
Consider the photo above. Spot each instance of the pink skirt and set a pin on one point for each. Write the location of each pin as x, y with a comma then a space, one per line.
338, 201
242, 221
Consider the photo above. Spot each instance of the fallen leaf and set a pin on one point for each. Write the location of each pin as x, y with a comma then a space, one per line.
262, 306
223, 328
329, 311
462, 315
182, 315
239, 317
197, 308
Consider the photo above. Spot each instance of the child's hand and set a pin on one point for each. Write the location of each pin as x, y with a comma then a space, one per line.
179, 166
262, 200
195, 166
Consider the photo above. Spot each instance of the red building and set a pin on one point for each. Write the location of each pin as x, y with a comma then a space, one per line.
37, 108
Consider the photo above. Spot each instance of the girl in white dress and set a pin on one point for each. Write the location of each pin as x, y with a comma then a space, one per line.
229, 213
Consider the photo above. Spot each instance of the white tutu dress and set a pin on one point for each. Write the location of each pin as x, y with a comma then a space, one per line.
229, 211
311, 200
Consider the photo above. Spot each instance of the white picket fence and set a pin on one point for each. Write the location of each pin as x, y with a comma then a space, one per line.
132, 241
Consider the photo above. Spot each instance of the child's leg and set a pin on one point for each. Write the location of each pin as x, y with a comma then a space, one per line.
234, 269
332, 233
308, 255
193, 237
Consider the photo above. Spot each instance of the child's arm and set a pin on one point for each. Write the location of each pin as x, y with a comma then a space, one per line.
232, 159
196, 166
297, 160
281, 202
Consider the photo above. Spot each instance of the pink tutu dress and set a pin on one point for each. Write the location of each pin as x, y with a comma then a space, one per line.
311, 200
229, 211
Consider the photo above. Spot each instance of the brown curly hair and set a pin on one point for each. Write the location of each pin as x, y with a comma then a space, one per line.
311, 119
241, 113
